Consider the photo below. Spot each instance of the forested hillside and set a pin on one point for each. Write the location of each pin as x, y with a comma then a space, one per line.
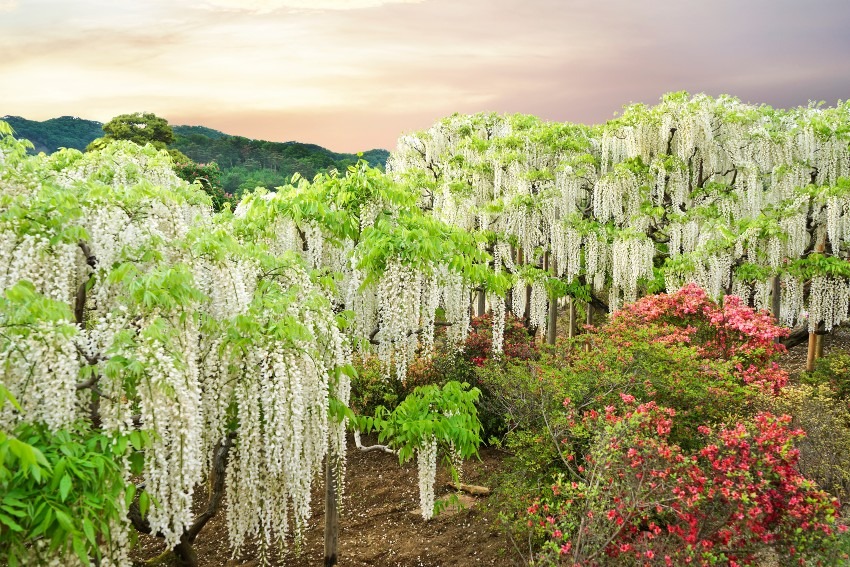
245, 163
55, 133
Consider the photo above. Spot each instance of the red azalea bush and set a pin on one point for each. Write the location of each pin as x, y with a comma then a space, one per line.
634, 497
731, 331
681, 350
657, 455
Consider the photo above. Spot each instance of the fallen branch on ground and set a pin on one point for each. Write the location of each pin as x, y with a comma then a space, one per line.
470, 488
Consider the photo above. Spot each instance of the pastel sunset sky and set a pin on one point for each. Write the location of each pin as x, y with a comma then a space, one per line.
355, 74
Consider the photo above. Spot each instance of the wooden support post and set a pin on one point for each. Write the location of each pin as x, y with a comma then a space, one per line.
815, 338
331, 511
552, 322
810, 356
819, 341
573, 323
482, 302
526, 315
774, 297
588, 321
774, 301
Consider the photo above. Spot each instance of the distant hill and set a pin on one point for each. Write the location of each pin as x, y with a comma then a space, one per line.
55, 133
245, 163
198, 130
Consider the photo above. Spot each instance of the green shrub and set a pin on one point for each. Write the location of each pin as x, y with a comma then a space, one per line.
834, 371
62, 490
371, 388
825, 450
708, 364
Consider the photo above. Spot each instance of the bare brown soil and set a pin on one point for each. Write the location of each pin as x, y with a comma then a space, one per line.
380, 525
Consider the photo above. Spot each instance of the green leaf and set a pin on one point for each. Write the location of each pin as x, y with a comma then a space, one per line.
7, 395
88, 529
137, 462
144, 503
13, 525
45, 523
64, 487
22, 451
59, 470
13, 511
136, 440
80, 550
64, 520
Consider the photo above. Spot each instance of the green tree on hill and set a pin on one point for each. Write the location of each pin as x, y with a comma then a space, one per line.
147, 128
139, 127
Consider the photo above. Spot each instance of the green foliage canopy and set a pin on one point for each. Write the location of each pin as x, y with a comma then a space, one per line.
141, 128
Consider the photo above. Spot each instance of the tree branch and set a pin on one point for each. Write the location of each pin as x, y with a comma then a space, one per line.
360, 446
80, 301
91, 259
798, 335
134, 514
670, 141
88, 383
216, 490
216, 494
470, 488
90, 360
303, 238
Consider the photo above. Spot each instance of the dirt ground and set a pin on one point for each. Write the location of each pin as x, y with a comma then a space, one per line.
380, 525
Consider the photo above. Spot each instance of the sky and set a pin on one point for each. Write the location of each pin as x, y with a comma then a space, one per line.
352, 75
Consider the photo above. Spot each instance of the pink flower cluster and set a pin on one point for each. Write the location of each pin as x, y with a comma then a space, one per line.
731, 331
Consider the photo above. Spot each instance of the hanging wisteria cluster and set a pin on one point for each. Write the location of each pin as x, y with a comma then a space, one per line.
389, 268
393, 266
127, 304
695, 189
41, 364
426, 461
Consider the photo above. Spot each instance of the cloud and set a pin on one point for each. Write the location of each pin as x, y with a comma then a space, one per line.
337, 73
268, 6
